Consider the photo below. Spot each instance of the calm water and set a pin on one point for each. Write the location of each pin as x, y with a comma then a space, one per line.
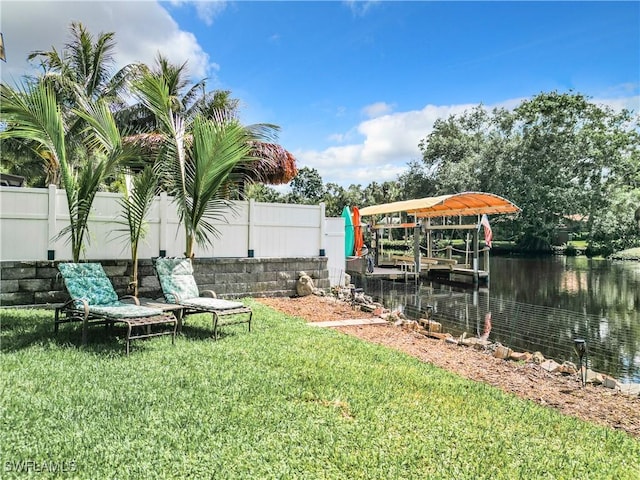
540, 304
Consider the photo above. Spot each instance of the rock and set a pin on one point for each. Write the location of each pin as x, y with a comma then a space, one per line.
440, 336
630, 388
430, 325
502, 352
610, 382
568, 368
550, 366
520, 356
594, 378
451, 340
537, 358
304, 285
411, 325
474, 342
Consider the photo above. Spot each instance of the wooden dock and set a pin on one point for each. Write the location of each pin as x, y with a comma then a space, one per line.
452, 273
462, 274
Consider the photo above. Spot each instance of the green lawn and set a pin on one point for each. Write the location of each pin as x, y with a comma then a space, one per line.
284, 401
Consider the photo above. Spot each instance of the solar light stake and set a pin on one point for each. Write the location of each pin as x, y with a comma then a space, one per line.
580, 346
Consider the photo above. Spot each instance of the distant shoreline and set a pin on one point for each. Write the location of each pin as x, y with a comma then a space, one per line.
629, 254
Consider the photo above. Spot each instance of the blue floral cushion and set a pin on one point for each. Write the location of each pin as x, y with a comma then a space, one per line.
89, 282
176, 279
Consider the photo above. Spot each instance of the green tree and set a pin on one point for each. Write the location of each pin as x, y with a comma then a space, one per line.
554, 155
415, 183
385, 192
337, 197
33, 114
82, 71
264, 193
306, 187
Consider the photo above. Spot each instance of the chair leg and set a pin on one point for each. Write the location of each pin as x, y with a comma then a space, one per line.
215, 326
128, 339
179, 315
85, 330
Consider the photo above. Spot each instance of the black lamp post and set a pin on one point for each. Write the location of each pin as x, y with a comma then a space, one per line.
580, 346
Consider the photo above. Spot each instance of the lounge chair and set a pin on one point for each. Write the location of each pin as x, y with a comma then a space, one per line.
179, 287
93, 300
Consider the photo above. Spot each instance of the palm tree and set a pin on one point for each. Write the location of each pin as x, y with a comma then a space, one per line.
81, 72
85, 68
197, 158
137, 201
33, 115
183, 100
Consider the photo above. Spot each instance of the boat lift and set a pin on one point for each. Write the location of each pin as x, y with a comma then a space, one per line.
424, 211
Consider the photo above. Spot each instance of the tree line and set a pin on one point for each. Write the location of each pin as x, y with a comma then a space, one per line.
560, 157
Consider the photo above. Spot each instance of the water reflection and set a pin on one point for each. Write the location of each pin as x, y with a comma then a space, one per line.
540, 304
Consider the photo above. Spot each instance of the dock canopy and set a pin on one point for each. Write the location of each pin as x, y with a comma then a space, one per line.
457, 204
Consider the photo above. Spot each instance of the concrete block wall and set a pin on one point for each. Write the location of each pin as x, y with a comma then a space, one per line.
39, 283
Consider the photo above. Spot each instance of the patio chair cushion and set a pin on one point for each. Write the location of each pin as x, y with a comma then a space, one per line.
125, 310
211, 303
176, 279
89, 282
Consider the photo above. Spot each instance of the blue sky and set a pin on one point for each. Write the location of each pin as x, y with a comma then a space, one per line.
355, 85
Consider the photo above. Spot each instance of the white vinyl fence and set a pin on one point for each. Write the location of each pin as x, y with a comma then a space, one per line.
31, 218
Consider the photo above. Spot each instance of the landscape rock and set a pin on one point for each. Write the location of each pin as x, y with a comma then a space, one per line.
304, 285
502, 352
632, 389
430, 325
610, 382
550, 366
594, 378
568, 368
474, 342
537, 358
520, 356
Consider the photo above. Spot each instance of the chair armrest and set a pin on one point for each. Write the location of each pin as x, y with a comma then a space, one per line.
70, 305
131, 297
208, 293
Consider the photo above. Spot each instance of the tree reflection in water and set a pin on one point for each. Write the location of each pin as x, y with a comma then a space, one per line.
540, 304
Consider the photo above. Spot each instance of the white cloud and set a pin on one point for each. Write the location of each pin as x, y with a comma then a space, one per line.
359, 8
389, 142
207, 10
377, 109
142, 29
617, 104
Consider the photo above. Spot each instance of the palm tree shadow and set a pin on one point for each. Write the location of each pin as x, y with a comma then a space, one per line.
18, 334
197, 332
